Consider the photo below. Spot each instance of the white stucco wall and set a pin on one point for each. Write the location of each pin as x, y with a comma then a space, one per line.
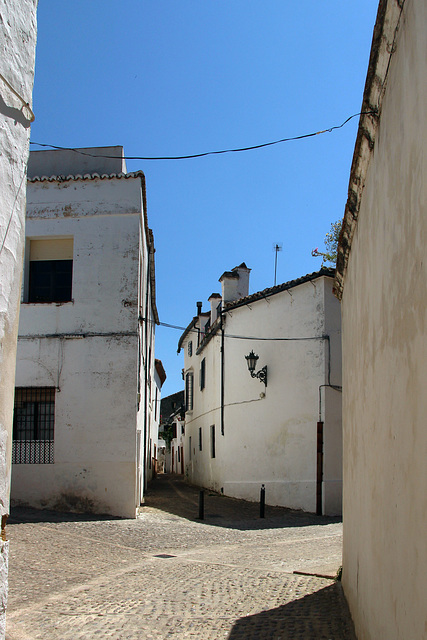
177, 451
270, 433
385, 361
17, 57
88, 348
146, 417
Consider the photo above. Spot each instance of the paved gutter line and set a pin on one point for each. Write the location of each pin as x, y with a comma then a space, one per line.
256, 568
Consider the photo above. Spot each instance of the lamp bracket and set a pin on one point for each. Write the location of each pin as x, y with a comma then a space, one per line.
261, 375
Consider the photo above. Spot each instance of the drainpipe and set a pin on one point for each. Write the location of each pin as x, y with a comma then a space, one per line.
319, 468
146, 369
320, 434
222, 372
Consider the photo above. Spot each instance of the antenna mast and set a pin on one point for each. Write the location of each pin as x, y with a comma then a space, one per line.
277, 246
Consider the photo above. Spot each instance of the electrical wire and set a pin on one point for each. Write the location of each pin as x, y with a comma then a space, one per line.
238, 337
212, 153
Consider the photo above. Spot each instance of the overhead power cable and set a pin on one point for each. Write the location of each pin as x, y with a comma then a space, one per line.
238, 337
211, 153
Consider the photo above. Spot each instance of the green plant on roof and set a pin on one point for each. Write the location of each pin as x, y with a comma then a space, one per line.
329, 256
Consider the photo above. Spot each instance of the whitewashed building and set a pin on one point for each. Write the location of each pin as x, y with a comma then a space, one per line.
85, 385
177, 459
173, 429
382, 283
18, 30
154, 420
282, 427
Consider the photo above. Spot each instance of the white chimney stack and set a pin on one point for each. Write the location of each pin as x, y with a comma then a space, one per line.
235, 283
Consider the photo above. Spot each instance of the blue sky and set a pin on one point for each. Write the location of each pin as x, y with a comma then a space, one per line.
163, 77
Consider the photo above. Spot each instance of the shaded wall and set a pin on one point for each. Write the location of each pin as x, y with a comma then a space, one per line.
385, 361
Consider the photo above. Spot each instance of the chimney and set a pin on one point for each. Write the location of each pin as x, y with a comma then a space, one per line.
215, 300
199, 307
235, 283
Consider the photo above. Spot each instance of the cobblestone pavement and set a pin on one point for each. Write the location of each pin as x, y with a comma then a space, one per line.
169, 575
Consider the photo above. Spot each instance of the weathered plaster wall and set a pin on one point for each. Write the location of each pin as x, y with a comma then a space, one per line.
63, 162
17, 57
270, 433
95, 424
87, 348
385, 361
331, 406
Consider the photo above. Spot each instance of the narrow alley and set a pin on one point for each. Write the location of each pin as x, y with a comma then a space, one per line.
168, 574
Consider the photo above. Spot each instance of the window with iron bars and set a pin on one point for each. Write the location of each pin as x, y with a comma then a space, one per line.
33, 425
189, 391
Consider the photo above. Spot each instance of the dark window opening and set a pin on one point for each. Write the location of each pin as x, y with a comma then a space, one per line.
190, 349
202, 374
213, 441
50, 281
33, 425
200, 439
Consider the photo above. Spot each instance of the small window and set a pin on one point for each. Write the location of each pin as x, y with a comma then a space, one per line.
202, 374
189, 391
50, 281
190, 349
200, 439
33, 425
50, 270
213, 441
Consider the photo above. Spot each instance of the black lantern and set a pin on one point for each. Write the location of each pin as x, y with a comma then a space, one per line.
252, 360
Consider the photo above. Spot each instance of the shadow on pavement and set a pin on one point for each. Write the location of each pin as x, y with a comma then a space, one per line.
170, 493
24, 515
322, 615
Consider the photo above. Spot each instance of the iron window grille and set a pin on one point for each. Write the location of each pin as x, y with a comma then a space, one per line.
189, 391
33, 425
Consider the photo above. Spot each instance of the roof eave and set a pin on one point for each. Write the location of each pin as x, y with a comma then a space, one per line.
382, 49
291, 284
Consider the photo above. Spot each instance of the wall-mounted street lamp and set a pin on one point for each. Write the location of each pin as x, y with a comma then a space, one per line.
252, 359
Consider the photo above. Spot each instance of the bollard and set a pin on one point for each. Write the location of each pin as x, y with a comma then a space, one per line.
262, 502
201, 505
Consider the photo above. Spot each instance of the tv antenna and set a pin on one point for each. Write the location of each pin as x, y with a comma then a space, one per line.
277, 246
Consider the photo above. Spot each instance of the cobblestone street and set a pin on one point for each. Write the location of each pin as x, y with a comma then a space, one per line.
169, 575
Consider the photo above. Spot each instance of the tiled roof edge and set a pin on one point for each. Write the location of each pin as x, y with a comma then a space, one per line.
186, 332
87, 176
271, 291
